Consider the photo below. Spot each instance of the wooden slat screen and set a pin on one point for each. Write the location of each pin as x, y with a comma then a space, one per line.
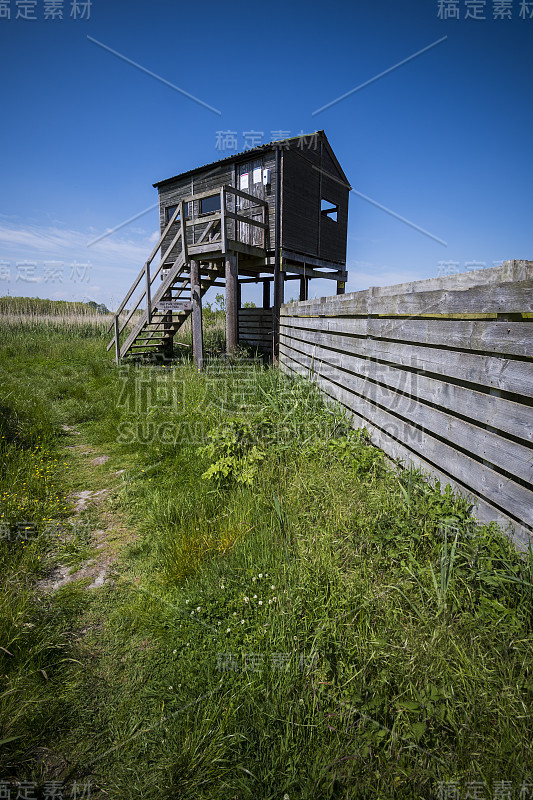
440, 372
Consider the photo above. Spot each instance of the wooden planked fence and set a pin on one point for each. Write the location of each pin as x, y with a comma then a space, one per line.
440, 372
255, 328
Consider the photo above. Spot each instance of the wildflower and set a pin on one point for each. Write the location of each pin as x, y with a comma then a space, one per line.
254, 578
242, 622
228, 630
255, 597
221, 585
246, 600
260, 602
260, 574
199, 608
272, 587
187, 602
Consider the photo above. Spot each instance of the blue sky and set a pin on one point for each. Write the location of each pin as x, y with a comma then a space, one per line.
444, 140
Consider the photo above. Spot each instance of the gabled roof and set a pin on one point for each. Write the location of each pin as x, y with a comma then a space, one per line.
260, 149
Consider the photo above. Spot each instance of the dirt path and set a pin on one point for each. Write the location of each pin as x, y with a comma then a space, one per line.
92, 511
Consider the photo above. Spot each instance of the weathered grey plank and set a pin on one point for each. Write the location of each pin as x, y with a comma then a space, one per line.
505, 374
508, 495
504, 415
501, 298
509, 271
509, 338
500, 451
484, 511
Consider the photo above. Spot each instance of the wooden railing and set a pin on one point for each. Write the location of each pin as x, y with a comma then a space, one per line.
213, 239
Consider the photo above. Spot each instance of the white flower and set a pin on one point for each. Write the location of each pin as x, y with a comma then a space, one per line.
188, 644
221, 585
199, 608
192, 613
219, 623
260, 602
242, 622
187, 602
246, 600
228, 630
272, 587
174, 652
254, 578
255, 597
170, 687
260, 574
234, 613
269, 602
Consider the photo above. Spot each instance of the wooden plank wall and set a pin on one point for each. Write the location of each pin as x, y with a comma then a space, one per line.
440, 372
308, 175
255, 328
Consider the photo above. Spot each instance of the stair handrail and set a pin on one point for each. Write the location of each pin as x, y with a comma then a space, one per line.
150, 259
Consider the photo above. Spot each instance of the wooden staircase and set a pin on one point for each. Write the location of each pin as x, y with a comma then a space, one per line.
154, 327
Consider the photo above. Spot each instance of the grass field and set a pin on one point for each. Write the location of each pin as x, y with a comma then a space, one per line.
275, 612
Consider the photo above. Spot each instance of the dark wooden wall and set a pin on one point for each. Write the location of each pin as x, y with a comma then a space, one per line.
308, 176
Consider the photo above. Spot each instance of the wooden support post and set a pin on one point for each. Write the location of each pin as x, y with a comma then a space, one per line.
304, 283
341, 287
279, 299
197, 332
239, 297
266, 294
278, 274
117, 340
232, 272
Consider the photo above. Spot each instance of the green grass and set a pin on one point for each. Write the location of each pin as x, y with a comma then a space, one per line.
357, 634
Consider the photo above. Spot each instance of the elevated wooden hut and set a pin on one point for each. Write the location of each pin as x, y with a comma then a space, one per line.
275, 213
